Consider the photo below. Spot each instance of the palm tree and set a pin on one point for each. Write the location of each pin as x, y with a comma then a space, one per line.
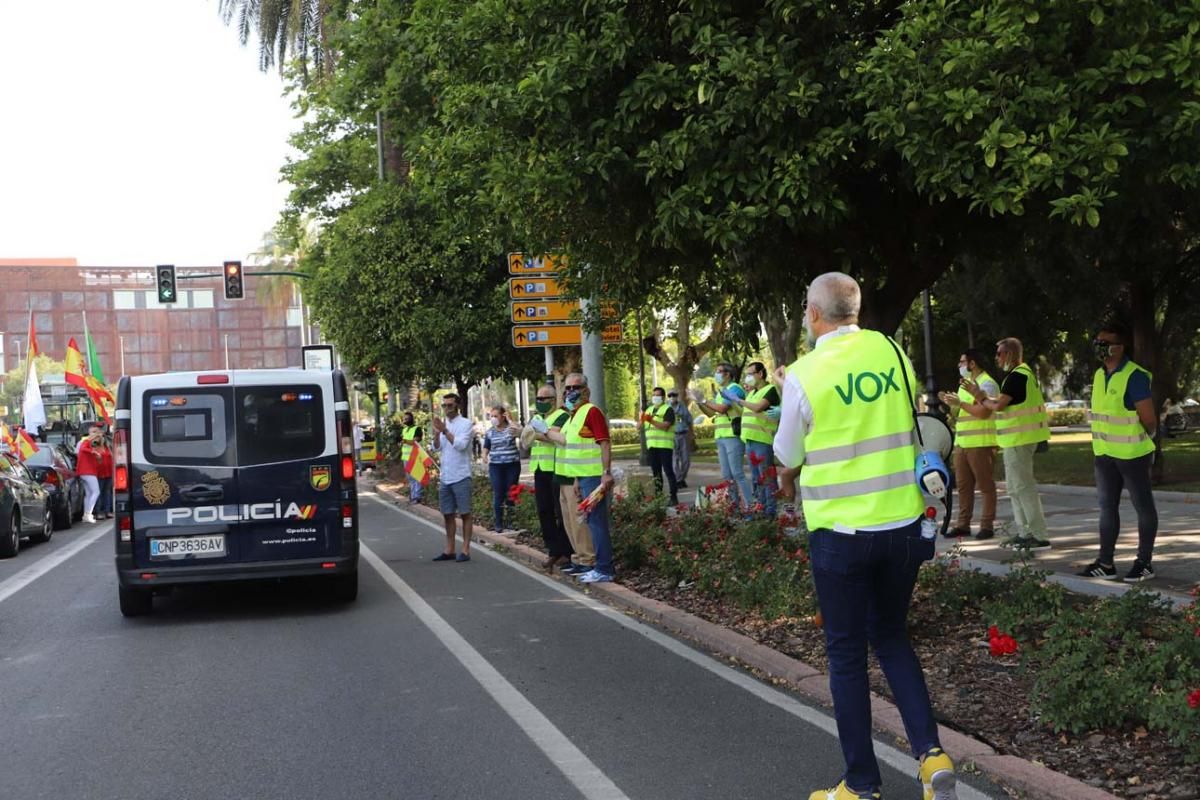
298, 27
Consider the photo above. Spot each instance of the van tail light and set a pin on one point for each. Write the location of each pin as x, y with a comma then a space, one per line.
347, 515
121, 460
125, 529
347, 468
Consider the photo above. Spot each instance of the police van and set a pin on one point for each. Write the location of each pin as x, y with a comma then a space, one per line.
233, 475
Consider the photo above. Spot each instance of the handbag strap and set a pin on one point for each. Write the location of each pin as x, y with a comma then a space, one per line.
907, 388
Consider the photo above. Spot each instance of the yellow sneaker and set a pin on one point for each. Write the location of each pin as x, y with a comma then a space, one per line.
840, 792
937, 776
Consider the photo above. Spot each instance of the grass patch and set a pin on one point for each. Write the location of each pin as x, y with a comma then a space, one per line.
1069, 461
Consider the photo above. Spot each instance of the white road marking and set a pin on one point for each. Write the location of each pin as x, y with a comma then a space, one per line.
892, 756
562, 752
40, 567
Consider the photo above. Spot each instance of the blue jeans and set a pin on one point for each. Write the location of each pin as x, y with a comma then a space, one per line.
731, 452
764, 488
1113, 475
864, 585
597, 523
503, 478
414, 489
104, 504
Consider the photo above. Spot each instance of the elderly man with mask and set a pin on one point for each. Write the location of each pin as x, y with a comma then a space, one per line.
847, 419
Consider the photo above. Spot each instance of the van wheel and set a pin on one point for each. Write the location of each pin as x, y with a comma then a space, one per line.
135, 602
10, 540
344, 588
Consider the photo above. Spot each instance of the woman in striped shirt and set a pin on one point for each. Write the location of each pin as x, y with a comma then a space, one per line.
503, 458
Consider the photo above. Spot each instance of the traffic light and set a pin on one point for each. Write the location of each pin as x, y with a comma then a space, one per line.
235, 287
166, 283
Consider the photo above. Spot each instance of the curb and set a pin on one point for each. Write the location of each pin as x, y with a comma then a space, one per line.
811, 683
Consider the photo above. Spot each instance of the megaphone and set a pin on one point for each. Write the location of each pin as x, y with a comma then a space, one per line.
932, 475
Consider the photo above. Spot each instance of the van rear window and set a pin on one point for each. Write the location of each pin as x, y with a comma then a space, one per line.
279, 423
187, 427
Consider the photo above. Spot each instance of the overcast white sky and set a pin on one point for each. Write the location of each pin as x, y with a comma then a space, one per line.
135, 133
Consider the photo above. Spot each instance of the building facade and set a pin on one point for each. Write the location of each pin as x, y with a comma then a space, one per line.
136, 335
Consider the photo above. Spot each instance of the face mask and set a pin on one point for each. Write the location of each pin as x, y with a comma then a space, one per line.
657, 400
1103, 349
674, 401
751, 380
495, 422
572, 398
964, 372
719, 378
544, 405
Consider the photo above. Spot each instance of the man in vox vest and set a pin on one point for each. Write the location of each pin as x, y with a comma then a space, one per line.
542, 459
758, 433
659, 423
586, 460
410, 434
846, 423
1021, 426
1123, 427
975, 435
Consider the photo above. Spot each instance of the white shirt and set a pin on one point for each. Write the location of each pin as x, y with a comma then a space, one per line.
358, 436
796, 418
456, 457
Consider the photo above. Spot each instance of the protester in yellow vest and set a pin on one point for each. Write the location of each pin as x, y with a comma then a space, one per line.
758, 433
542, 459
846, 424
975, 435
410, 434
586, 458
1021, 426
727, 431
1123, 427
658, 421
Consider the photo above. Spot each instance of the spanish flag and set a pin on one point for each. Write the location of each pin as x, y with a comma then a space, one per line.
77, 375
419, 465
6, 437
26, 446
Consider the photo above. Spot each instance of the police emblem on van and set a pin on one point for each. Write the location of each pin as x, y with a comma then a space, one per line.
155, 488
320, 477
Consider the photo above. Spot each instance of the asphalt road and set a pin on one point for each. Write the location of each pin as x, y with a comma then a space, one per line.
477, 680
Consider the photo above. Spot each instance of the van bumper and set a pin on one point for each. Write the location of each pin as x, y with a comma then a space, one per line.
167, 574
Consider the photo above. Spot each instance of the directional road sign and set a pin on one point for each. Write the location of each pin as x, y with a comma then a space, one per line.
521, 264
530, 288
546, 335
561, 335
553, 311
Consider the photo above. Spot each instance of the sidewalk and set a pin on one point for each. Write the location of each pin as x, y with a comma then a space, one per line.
1072, 520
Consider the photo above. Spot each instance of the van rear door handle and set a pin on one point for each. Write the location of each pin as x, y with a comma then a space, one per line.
202, 494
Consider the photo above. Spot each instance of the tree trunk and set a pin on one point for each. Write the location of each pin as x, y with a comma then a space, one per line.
783, 333
680, 369
395, 165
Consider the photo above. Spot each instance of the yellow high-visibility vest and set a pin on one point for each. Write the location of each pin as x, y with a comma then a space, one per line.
1116, 431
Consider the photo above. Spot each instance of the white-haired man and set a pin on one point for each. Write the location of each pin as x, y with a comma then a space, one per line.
847, 418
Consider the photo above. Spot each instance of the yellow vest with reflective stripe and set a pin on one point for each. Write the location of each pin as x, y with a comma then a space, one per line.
408, 432
971, 431
723, 423
860, 452
580, 457
1026, 422
655, 438
756, 425
1117, 431
542, 454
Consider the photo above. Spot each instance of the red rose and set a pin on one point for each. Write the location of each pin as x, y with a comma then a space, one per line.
1194, 699
756, 459
993, 632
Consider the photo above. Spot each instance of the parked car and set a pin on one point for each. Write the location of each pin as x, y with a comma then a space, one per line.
615, 424
51, 467
24, 507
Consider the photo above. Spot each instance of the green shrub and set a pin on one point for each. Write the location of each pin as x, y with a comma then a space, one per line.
1067, 416
1117, 662
1023, 602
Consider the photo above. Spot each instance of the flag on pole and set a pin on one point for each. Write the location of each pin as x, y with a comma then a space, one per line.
33, 407
93, 358
26, 446
76, 375
33, 350
6, 437
419, 465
